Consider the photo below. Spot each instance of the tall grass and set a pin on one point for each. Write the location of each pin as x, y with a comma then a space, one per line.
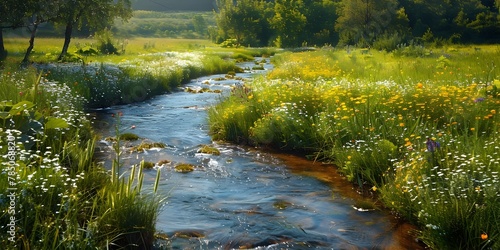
105, 84
52, 194
418, 131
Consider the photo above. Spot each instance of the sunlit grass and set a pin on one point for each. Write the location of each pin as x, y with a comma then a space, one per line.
47, 49
59, 198
376, 115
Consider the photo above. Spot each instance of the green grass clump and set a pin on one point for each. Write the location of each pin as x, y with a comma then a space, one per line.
62, 199
419, 131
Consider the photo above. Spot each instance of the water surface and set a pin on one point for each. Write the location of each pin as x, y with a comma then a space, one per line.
244, 197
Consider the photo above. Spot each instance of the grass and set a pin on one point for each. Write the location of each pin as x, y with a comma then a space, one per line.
136, 75
53, 195
380, 117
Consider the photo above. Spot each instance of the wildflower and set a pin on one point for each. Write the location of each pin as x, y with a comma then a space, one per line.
374, 189
432, 144
479, 99
420, 85
484, 236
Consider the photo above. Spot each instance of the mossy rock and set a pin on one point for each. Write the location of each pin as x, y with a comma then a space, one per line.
129, 137
110, 138
364, 206
260, 67
184, 168
281, 205
205, 149
148, 165
189, 234
163, 162
148, 145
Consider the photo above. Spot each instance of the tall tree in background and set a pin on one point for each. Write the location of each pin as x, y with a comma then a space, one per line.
199, 24
361, 22
97, 14
289, 22
321, 17
38, 12
243, 20
12, 15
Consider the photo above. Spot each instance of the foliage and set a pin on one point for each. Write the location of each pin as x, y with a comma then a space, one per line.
53, 194
136, 80
362, 22
365, 23
244, 21
193, 25
288, 22
95, 14
106, 45
419, 131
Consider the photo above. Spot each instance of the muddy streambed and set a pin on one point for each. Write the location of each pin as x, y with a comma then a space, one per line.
244, 197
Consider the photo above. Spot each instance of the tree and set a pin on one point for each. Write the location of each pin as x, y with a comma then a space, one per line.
289, 23
361, 22
243, 20
467, 20
38, 12
97, 14
320, 16
12, 14
200, 25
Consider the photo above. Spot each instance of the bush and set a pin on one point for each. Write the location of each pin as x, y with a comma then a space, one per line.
106, 45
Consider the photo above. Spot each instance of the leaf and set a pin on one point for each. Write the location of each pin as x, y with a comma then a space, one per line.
55, 123
4, 115
21, 106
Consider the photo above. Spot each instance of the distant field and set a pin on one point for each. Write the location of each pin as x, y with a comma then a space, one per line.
144, 23
166, 24
47, 49
174, 5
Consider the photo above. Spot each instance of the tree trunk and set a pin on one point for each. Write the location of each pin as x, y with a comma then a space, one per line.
67, 40
3, 52
30, 47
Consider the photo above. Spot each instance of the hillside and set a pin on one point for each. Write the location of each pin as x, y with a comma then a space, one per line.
174, 5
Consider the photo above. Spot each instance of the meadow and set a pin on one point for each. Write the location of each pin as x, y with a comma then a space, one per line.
143, 69
53, 195
417, 128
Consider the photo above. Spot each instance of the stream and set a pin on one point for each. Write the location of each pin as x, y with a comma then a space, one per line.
243, 198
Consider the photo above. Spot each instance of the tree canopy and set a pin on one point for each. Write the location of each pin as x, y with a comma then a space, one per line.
382, 23
96, 14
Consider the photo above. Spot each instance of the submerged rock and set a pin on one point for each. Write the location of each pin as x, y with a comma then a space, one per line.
281, 205
184, 168
148, 145
205, 149
189, 234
